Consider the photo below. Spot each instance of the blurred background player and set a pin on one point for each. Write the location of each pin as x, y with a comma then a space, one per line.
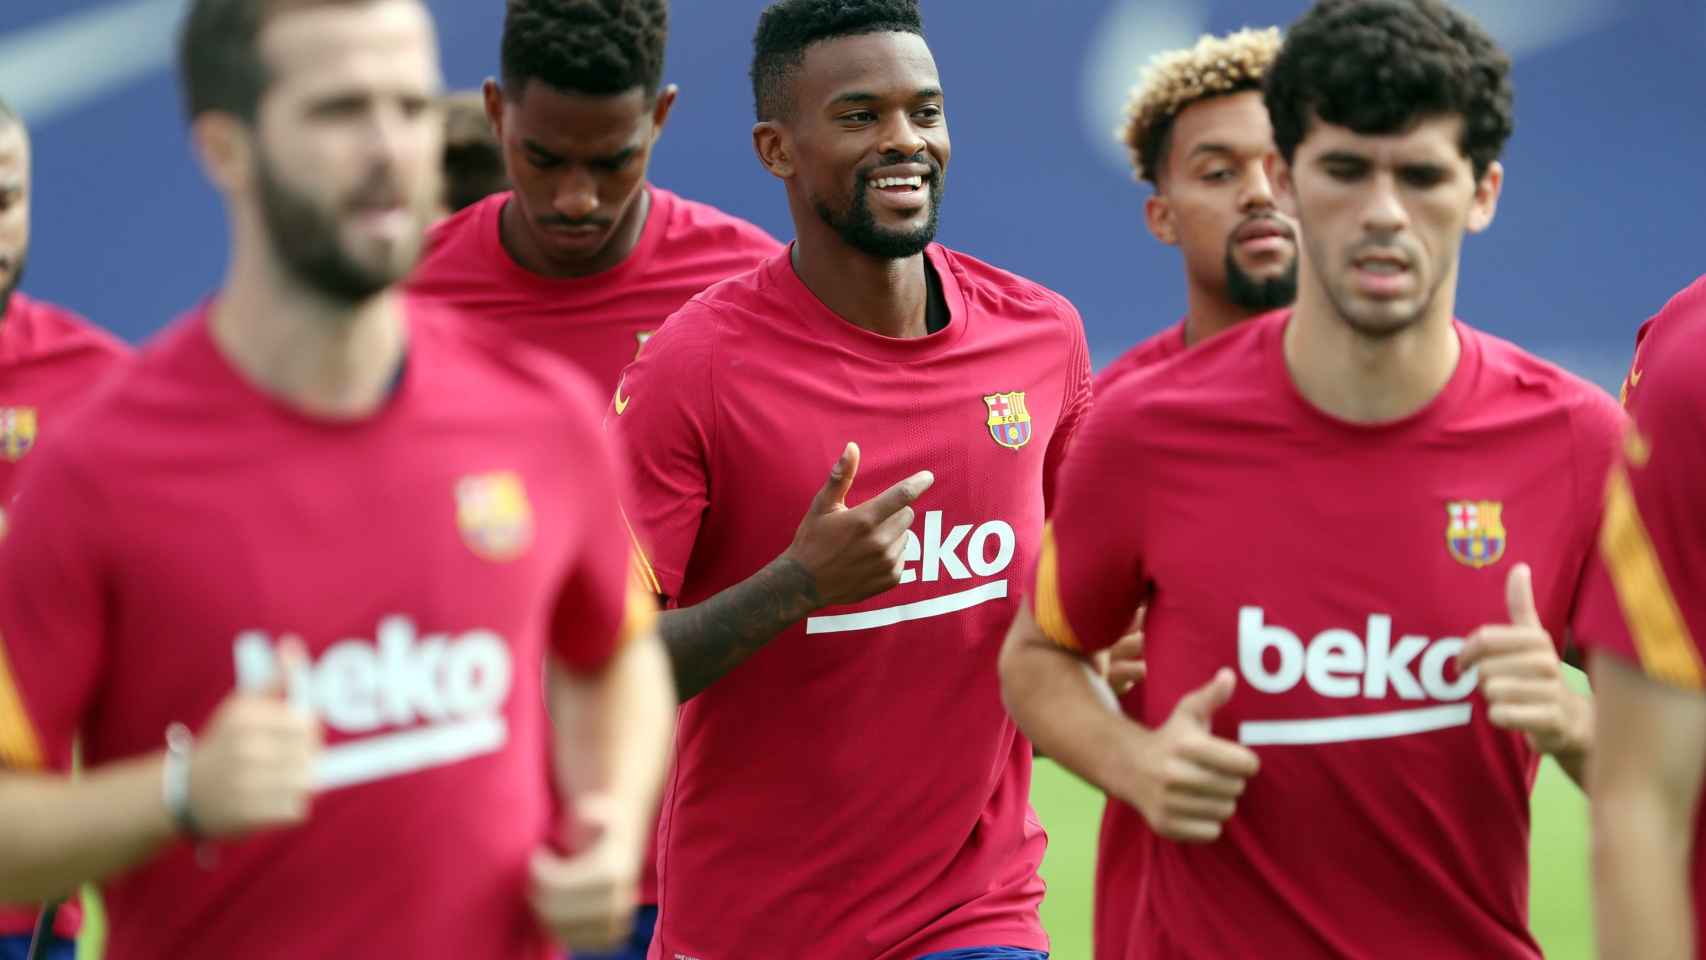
846, 783
1331, 501
473, 164
585, 257
50, 359
319, 544
1198, 132
1643, 618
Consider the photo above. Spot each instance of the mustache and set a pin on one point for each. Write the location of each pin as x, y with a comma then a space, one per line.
895, 159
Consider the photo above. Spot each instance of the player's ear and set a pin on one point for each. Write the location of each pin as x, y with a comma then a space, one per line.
1279, 178
660, 110
492, 96
773, 149
223, 145
1158, 216
1486, 202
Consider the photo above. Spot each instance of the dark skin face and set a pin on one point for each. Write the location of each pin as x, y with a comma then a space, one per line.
578, 165
866, 110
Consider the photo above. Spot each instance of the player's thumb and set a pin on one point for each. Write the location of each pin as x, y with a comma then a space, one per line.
1200, 704
834, 492
1519, 597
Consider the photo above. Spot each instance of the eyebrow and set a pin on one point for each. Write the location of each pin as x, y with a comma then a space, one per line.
620, 156
863, 96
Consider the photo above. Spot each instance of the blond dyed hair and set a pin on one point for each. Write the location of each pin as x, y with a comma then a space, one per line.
1213, 67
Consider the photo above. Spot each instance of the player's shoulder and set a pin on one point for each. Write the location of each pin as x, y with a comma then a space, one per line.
1669, 373
42, 328
1509, 371
711, 228
1167, 343
453, 246
1002, 294
471, 359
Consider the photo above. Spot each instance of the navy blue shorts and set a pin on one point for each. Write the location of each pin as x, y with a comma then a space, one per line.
18, 947
987, 953
645, 923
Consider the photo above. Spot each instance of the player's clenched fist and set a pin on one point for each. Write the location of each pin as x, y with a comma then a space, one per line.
586, 901
1521, 677
253, 767
1189, 779
855, 552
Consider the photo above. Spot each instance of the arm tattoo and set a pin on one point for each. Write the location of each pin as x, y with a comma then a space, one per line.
713, 637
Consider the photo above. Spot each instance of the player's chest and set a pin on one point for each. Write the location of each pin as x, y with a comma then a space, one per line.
32, 408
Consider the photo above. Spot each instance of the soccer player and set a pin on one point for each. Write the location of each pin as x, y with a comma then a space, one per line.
49, 360
585, 257
1359, 527
1199, 134
846, 784
1642, 617
473, 164
317, 543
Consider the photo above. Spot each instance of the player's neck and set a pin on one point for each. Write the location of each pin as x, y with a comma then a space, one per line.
888, 297
524, 248
1207, 315
325, 358
1364, 379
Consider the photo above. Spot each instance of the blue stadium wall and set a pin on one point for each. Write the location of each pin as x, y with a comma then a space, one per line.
1601, 218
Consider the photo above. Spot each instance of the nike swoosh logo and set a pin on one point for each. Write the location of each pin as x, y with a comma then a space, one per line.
57, 66
621, 401
1635, 377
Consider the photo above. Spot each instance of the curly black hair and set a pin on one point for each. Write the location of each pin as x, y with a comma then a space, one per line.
1377, 66
788, 27
597, 47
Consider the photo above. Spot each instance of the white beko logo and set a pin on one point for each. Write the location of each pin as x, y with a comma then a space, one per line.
967, 551
448, 691
1339, 664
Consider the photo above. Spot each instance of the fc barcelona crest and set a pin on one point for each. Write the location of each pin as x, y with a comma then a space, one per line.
494, 515
1474, 532
1009, 421
17, 431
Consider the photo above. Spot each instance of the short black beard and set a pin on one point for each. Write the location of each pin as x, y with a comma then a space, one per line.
858, 228
307, 242
1259, 296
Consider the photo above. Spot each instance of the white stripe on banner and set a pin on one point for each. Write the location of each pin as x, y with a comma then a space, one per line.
375, 758
1368, 726
888, 616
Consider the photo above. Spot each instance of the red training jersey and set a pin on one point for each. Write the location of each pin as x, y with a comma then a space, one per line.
427, 556
1124, 834
854, 789
1336, 568
1645, 602
50, 358
600, 321
597, 321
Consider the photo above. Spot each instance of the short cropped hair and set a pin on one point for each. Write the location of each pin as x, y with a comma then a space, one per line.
1378, 66
788, 27
219, 57
1214, 67
597, 47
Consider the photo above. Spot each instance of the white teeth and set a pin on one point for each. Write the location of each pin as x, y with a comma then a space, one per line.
886, 182
1380, 266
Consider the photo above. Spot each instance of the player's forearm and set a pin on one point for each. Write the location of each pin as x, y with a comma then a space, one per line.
1641, 877
57, 833
612, 738
1067, 711
707, 640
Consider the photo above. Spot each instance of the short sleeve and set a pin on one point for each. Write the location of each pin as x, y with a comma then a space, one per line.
662, 417
1090, 577
1644, 598
1599, 424
1075, 403
601, 605
53, 614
